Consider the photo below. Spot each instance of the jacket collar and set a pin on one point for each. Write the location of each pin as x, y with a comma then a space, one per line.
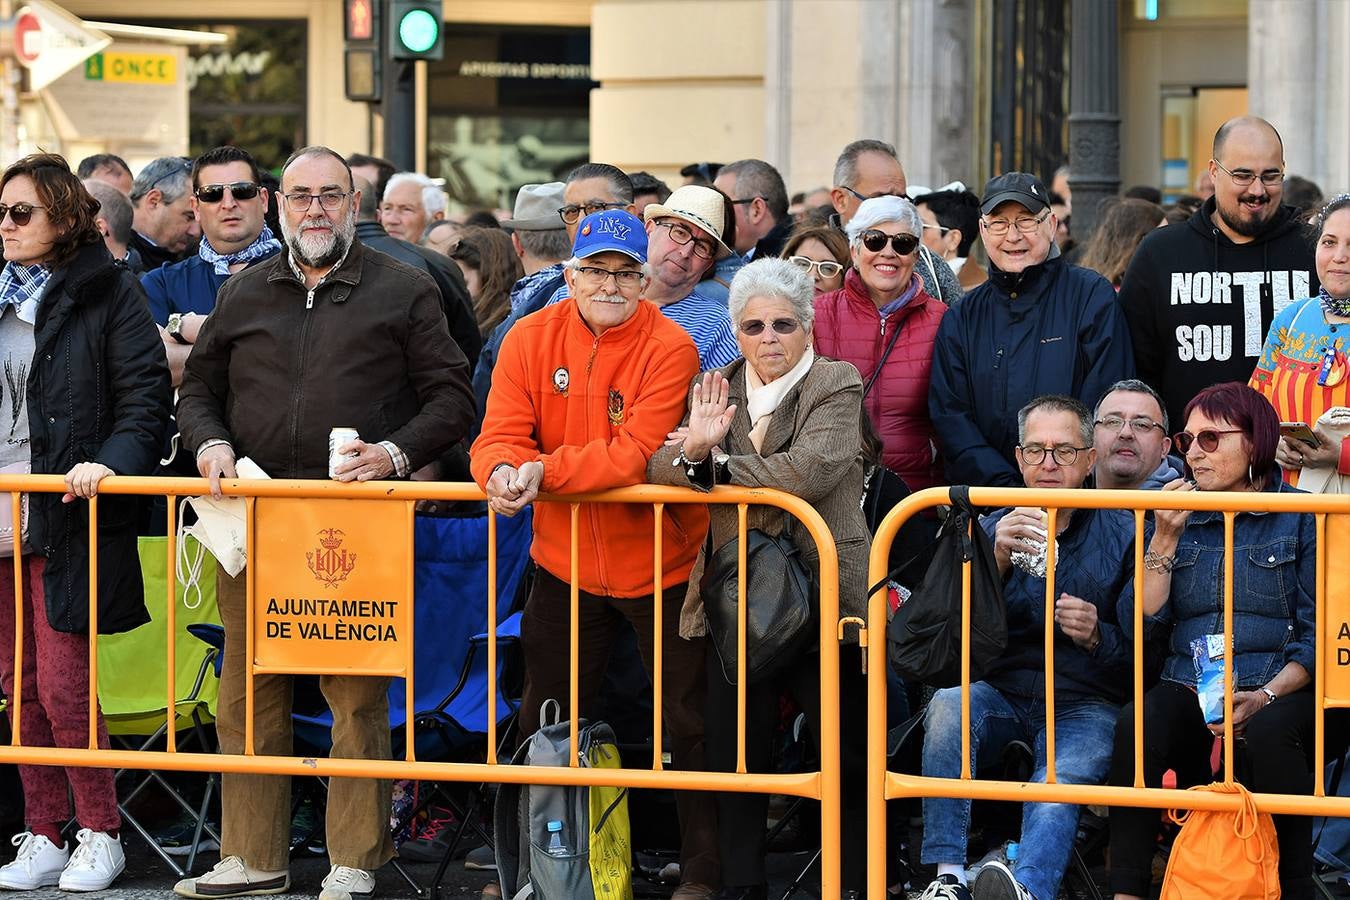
856, 294
1032, 278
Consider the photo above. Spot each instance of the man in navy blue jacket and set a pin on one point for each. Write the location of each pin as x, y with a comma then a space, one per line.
1037, 326
1091, 670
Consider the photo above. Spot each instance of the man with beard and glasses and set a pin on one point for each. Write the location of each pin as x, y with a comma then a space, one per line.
326, 333
1199, 298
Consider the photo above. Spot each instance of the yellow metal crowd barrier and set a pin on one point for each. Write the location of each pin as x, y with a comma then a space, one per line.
884, 785
822, 785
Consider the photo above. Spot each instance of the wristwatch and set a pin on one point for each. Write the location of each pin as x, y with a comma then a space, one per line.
175, 328
1271, 696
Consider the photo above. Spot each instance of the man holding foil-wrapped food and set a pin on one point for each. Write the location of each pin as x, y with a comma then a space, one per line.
1092, 664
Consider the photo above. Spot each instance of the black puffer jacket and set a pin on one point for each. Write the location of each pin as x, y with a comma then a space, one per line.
98, 391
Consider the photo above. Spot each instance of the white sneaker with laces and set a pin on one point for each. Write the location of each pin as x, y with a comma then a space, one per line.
231, 877
996, 882
946, 887
346, 883
95, 864
38, 863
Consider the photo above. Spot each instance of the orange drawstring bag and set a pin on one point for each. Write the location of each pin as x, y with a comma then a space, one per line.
1222, 853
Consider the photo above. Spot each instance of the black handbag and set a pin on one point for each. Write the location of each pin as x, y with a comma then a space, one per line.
779, 598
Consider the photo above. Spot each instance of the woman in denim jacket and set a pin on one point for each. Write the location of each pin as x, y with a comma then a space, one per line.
1229, 443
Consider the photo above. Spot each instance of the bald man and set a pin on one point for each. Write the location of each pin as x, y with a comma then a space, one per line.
1199, 296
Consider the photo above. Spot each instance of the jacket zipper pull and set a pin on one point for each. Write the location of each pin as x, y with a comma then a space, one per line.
883, 326
998, 358
309, 299
590, 361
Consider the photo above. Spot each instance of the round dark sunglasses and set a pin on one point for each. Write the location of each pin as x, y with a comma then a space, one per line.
875, 240
239, 190
1207, 438
20, 213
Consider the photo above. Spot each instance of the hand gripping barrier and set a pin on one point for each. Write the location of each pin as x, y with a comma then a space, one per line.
1332, 523
822, 785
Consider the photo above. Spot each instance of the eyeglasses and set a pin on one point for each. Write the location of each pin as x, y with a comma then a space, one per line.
1025, 224
743, 202
1244, 178
875, 240
939, 228
329, 200
1139, 424
184, 165
864, 198
20, 213
1207, 438
574, 212
826, 267
1065, 454
754, 327
239, 190
680, 234
597, 275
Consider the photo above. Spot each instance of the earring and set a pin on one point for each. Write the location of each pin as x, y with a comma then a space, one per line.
1251, 479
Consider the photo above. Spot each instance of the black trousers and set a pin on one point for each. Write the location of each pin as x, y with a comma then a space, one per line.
741, 817
1277, 759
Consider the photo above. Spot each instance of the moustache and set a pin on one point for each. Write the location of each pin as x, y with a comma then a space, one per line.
1260, 200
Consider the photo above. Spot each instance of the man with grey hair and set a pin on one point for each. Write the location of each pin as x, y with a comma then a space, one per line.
1037, 326
1132, 439
114, 222
164, 225
757, 192
1092, 664
108, 168
410, 201
325, 333
591, 188
870, 168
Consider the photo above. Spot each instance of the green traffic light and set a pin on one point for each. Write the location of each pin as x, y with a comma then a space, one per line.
418, 31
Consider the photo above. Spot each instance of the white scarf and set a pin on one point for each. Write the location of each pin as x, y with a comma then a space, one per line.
762, 399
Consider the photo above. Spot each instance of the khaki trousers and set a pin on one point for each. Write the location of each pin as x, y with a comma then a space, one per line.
256, 809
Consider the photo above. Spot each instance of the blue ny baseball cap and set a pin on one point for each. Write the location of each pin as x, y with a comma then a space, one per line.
611, 231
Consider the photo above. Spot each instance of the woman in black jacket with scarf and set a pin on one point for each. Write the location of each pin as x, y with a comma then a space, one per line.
85, 393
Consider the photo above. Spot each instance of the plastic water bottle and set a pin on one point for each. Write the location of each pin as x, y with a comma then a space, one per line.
1013, 849
555, 844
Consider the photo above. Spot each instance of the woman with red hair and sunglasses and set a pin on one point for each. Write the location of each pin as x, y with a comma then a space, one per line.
884, 322
1229, 444
86, 395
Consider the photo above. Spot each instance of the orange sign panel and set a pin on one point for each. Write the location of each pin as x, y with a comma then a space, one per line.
1334, 615
331, 587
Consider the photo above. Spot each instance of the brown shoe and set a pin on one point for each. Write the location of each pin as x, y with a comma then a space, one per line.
692, 890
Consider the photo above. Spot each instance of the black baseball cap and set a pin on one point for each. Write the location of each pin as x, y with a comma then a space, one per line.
1019, 186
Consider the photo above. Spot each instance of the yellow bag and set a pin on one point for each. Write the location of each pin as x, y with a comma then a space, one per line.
1222, 854
611, 853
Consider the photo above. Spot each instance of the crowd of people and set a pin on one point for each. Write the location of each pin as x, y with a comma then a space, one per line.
615, 331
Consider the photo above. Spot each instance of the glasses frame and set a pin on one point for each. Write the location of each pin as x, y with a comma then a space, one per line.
630, 277
755, 327
941, 229
894, 240
808, 264
1129, 423
292, 200
579, 211
1000, 227
13, 212
863, 199
698, 243
1268, 179
1182, 440
185, 166
234, 187
1040, 452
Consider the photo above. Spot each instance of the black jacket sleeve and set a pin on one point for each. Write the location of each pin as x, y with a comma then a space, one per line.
138, 375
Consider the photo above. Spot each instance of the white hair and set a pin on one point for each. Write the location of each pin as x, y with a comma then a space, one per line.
771, 277
874, 211
433, 198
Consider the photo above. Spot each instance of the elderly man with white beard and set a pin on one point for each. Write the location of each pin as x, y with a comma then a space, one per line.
326, 333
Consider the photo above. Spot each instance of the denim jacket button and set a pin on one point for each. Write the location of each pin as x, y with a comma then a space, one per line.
1272, 559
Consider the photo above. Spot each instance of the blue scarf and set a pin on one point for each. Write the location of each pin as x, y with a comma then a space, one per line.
264, 245
23, 286
1337, 306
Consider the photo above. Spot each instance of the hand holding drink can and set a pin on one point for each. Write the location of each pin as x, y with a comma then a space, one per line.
339, 437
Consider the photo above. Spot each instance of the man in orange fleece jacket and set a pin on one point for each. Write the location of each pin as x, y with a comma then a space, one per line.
583, 394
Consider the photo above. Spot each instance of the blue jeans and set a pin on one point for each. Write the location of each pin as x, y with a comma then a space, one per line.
1083, 742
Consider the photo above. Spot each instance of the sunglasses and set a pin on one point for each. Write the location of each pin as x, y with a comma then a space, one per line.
826, 267
754, 327
1207, 438
239, 190
875, 240
20, 213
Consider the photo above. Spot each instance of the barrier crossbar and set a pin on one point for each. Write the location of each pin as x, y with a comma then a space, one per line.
822, 785
884, 785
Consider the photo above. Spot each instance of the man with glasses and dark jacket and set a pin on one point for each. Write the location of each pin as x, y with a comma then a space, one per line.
1037, 326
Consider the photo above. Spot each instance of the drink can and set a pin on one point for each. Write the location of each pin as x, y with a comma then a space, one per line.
336, 438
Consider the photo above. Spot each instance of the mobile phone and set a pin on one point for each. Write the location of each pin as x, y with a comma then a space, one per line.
1299, 431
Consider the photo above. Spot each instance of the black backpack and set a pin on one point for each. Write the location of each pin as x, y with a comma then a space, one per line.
924, 637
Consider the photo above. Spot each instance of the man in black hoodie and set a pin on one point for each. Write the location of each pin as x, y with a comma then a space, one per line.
1200, 296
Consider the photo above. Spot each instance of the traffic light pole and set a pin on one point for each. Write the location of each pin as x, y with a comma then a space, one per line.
400, 115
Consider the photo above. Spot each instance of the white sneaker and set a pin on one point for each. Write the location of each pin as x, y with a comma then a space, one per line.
996, 882
231, 877
95, 864
346, 883
38, 864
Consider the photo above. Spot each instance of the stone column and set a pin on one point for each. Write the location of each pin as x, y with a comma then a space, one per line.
937, 121
1094, 111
